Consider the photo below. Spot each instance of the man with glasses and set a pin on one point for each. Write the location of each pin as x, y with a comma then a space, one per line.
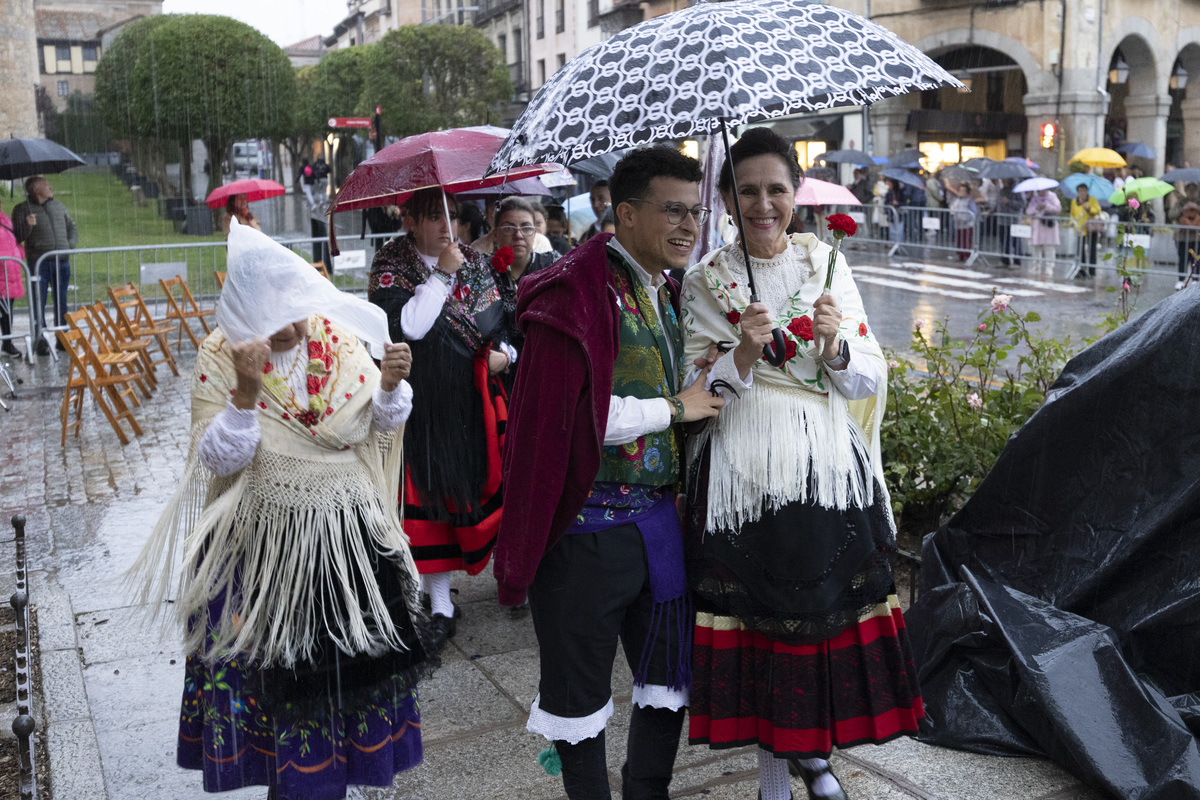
592, 458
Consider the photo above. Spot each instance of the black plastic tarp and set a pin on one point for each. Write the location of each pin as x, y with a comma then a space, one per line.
1060, 607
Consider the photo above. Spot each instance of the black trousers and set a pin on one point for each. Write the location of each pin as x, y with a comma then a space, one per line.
591, 592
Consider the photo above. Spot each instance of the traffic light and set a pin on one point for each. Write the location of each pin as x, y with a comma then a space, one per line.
1048, 133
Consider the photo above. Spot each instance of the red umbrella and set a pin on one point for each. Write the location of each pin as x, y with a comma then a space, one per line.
253, 188
454, 160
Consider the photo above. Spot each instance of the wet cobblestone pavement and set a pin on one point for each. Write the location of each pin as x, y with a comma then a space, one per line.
112, 682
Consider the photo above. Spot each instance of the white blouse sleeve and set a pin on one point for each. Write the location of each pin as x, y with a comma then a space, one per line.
230, 441
631, 417
390, 410
860, 379
421, 311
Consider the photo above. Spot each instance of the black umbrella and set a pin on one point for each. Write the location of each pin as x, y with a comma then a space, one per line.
600, 166
906, 158
846, 157
956, 172
20, 158
1004, 170
702, 68
904, 177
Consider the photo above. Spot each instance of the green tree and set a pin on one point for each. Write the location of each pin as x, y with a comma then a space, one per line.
181, 77
431, 77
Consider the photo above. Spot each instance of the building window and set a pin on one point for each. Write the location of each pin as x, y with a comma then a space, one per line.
62, 52
541, 71
560, 16
64, 88
593, 13
90, 53
562, 60
518, 50
541, 19
502, 43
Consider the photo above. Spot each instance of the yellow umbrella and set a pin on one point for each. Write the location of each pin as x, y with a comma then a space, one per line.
1099, 157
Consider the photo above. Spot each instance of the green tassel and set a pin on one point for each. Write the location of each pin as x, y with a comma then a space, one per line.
550, 761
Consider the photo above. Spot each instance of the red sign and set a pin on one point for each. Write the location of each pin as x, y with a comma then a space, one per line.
350, 122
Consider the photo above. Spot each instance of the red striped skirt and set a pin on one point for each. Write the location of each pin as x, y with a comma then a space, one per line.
802, 700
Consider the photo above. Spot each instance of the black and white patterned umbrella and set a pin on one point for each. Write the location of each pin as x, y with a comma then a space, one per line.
687, 72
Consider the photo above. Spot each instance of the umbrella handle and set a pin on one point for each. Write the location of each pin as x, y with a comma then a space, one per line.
776, 351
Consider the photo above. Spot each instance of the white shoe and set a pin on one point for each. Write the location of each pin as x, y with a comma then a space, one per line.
1178, 285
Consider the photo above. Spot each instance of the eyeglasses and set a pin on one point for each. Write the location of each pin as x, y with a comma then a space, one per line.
677, 211
513, 230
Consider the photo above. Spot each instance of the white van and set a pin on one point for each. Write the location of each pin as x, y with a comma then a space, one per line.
245, 157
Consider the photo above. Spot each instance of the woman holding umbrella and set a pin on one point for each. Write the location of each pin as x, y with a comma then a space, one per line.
441, 298
1044, 207
238, 207
790, 536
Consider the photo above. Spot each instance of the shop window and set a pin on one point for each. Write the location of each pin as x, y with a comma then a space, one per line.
807, 153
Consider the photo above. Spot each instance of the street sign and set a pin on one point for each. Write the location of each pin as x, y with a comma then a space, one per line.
349, 122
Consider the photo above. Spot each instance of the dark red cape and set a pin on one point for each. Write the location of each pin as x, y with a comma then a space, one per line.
559, 407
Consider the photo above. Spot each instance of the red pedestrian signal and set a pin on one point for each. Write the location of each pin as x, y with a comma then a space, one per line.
1048, 133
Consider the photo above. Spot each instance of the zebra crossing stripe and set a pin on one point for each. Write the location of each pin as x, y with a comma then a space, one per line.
929, 277
918, 288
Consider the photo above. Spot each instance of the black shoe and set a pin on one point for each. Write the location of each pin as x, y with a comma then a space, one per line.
809, 776
443, 628
519, 612
42, 349
9, 350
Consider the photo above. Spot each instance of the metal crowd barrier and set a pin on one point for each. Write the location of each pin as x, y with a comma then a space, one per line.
24, 725
10, 306
94, 269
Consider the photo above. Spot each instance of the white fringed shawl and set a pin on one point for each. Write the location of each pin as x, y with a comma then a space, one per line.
793, 423
280, 540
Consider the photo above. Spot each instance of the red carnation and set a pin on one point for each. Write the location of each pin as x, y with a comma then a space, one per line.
313, 385
841, 224
502, 259
801, 328
734, 317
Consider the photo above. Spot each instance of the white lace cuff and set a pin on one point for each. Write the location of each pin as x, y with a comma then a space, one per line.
230, 441
389, 410
571, 730
656, 696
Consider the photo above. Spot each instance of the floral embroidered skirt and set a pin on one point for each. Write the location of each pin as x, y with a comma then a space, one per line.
313, 730
230, 731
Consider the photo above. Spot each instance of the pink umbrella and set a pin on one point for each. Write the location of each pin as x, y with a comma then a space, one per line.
454, 160
813, 192
253, 188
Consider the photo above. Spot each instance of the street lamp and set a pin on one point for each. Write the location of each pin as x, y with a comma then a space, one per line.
1179, 77
1118, 71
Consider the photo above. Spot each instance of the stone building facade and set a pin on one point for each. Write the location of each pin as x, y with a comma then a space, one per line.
18, 68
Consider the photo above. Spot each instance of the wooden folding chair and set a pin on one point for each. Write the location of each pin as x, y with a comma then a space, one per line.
86, 373
320, 267
114, 363
220, 276
134, 319
185, 309
116, 341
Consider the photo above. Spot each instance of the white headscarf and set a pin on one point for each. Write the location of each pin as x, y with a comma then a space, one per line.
269, 287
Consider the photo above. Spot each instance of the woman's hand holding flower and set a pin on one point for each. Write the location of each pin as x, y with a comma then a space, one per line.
827, 319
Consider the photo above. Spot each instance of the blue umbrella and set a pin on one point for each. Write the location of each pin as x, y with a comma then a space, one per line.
879, 159
1097, 187
903, 177
1186, 175
1137, 149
